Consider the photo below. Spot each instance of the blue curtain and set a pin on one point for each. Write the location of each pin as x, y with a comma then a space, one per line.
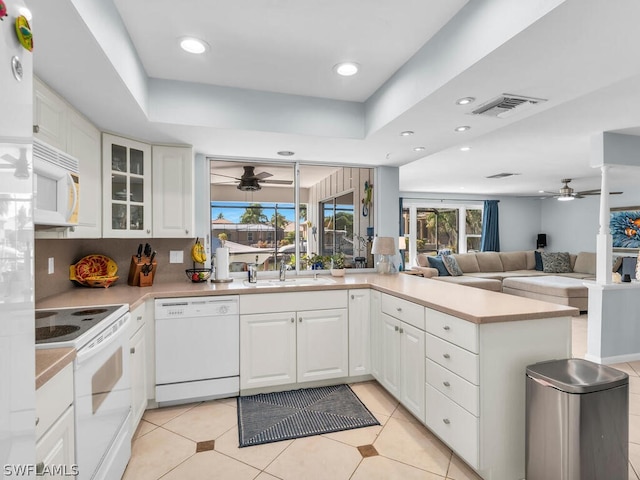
490, 231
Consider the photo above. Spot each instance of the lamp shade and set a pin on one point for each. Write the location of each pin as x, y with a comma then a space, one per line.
384, 246
402, 243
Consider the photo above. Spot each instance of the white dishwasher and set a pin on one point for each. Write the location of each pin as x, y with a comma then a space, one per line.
197, 348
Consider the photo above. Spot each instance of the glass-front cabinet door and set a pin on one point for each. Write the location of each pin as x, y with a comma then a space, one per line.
127, 187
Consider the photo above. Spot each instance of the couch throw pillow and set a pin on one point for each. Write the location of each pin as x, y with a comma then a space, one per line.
559, 262
438, 264
538, 256
451, 264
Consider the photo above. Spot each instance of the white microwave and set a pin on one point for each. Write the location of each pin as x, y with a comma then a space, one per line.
56, 185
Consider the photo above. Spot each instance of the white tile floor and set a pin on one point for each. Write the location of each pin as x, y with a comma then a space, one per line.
165, 443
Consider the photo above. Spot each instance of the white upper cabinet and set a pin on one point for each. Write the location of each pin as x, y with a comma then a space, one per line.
58, 124
126, 173
49, 116
172, 192
83, 143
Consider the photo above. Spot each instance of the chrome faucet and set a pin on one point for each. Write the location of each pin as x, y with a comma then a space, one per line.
283, 271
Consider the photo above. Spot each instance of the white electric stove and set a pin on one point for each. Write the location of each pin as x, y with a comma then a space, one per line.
102, 384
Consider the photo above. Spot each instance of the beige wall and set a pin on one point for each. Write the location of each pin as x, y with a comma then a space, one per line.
67, 252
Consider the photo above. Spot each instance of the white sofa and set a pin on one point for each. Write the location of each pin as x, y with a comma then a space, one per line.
489, 270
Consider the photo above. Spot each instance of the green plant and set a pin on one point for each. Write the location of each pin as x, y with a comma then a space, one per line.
337, 260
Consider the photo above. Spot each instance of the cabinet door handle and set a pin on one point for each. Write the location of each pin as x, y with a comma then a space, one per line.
446, 384
402, 330
292, 320
396, 328
353, 297
300, 320
186, 231
132, 350
39, 468
399, 309
37, 421
447, 327
446, 355
446, 421
36, 129
138, 318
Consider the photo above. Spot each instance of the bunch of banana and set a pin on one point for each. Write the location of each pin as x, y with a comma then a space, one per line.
198, 253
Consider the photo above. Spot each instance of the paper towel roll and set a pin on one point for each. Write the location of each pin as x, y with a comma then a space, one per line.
222, 263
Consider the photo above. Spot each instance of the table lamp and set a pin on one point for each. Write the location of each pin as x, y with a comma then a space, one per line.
402, 246
384, 246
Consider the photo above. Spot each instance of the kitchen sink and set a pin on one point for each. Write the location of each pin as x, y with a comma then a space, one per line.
290, 282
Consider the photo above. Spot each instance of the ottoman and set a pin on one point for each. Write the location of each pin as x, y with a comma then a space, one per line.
555, 289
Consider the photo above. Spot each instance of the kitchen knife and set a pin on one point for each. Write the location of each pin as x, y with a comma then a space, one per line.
139, 255
147, 249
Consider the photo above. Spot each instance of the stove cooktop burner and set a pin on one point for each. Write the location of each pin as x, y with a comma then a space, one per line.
72, 327
46, 333
90, 311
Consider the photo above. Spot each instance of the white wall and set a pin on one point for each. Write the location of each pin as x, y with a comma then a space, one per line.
573, 226
520, 223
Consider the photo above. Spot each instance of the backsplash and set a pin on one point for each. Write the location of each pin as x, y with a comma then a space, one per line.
66, 252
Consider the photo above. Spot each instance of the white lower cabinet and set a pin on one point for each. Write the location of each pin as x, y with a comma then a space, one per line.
400, 338
376, 334
359, 332
55, 448
55, 454
474, 389
138, 353
267, 349
300, 345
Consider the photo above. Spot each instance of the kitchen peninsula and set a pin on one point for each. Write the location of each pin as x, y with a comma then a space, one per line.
455, 356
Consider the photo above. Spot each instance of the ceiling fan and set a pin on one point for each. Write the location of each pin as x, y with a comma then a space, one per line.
250, 181
567, 193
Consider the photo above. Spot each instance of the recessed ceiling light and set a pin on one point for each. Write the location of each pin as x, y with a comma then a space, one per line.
193, 45
406, 133
465, 149
540, 191
418, 149
462, 128
465, 101
346, 69
286, 153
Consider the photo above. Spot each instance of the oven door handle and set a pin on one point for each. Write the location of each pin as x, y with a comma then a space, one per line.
94, 347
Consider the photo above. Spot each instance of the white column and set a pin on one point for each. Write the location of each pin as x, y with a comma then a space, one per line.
604, 239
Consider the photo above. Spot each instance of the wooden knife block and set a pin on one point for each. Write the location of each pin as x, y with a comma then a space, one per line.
136, 277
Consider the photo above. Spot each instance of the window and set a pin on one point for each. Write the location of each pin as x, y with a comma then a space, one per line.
254, 204
435, 227
337, 226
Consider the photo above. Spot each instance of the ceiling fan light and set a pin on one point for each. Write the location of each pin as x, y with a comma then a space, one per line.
565, 198
250, 185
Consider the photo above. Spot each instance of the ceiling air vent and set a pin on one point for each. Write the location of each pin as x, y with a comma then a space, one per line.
506, 105
502, 175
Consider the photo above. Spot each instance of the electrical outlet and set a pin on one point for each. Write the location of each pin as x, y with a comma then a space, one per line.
176, 256
50, 266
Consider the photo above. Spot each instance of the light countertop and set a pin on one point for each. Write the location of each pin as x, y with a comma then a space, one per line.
472, 304
50, 361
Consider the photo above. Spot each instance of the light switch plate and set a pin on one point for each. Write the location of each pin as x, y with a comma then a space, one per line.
50, 266
176, 256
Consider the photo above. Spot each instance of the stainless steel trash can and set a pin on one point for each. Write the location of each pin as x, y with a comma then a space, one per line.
577, 421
